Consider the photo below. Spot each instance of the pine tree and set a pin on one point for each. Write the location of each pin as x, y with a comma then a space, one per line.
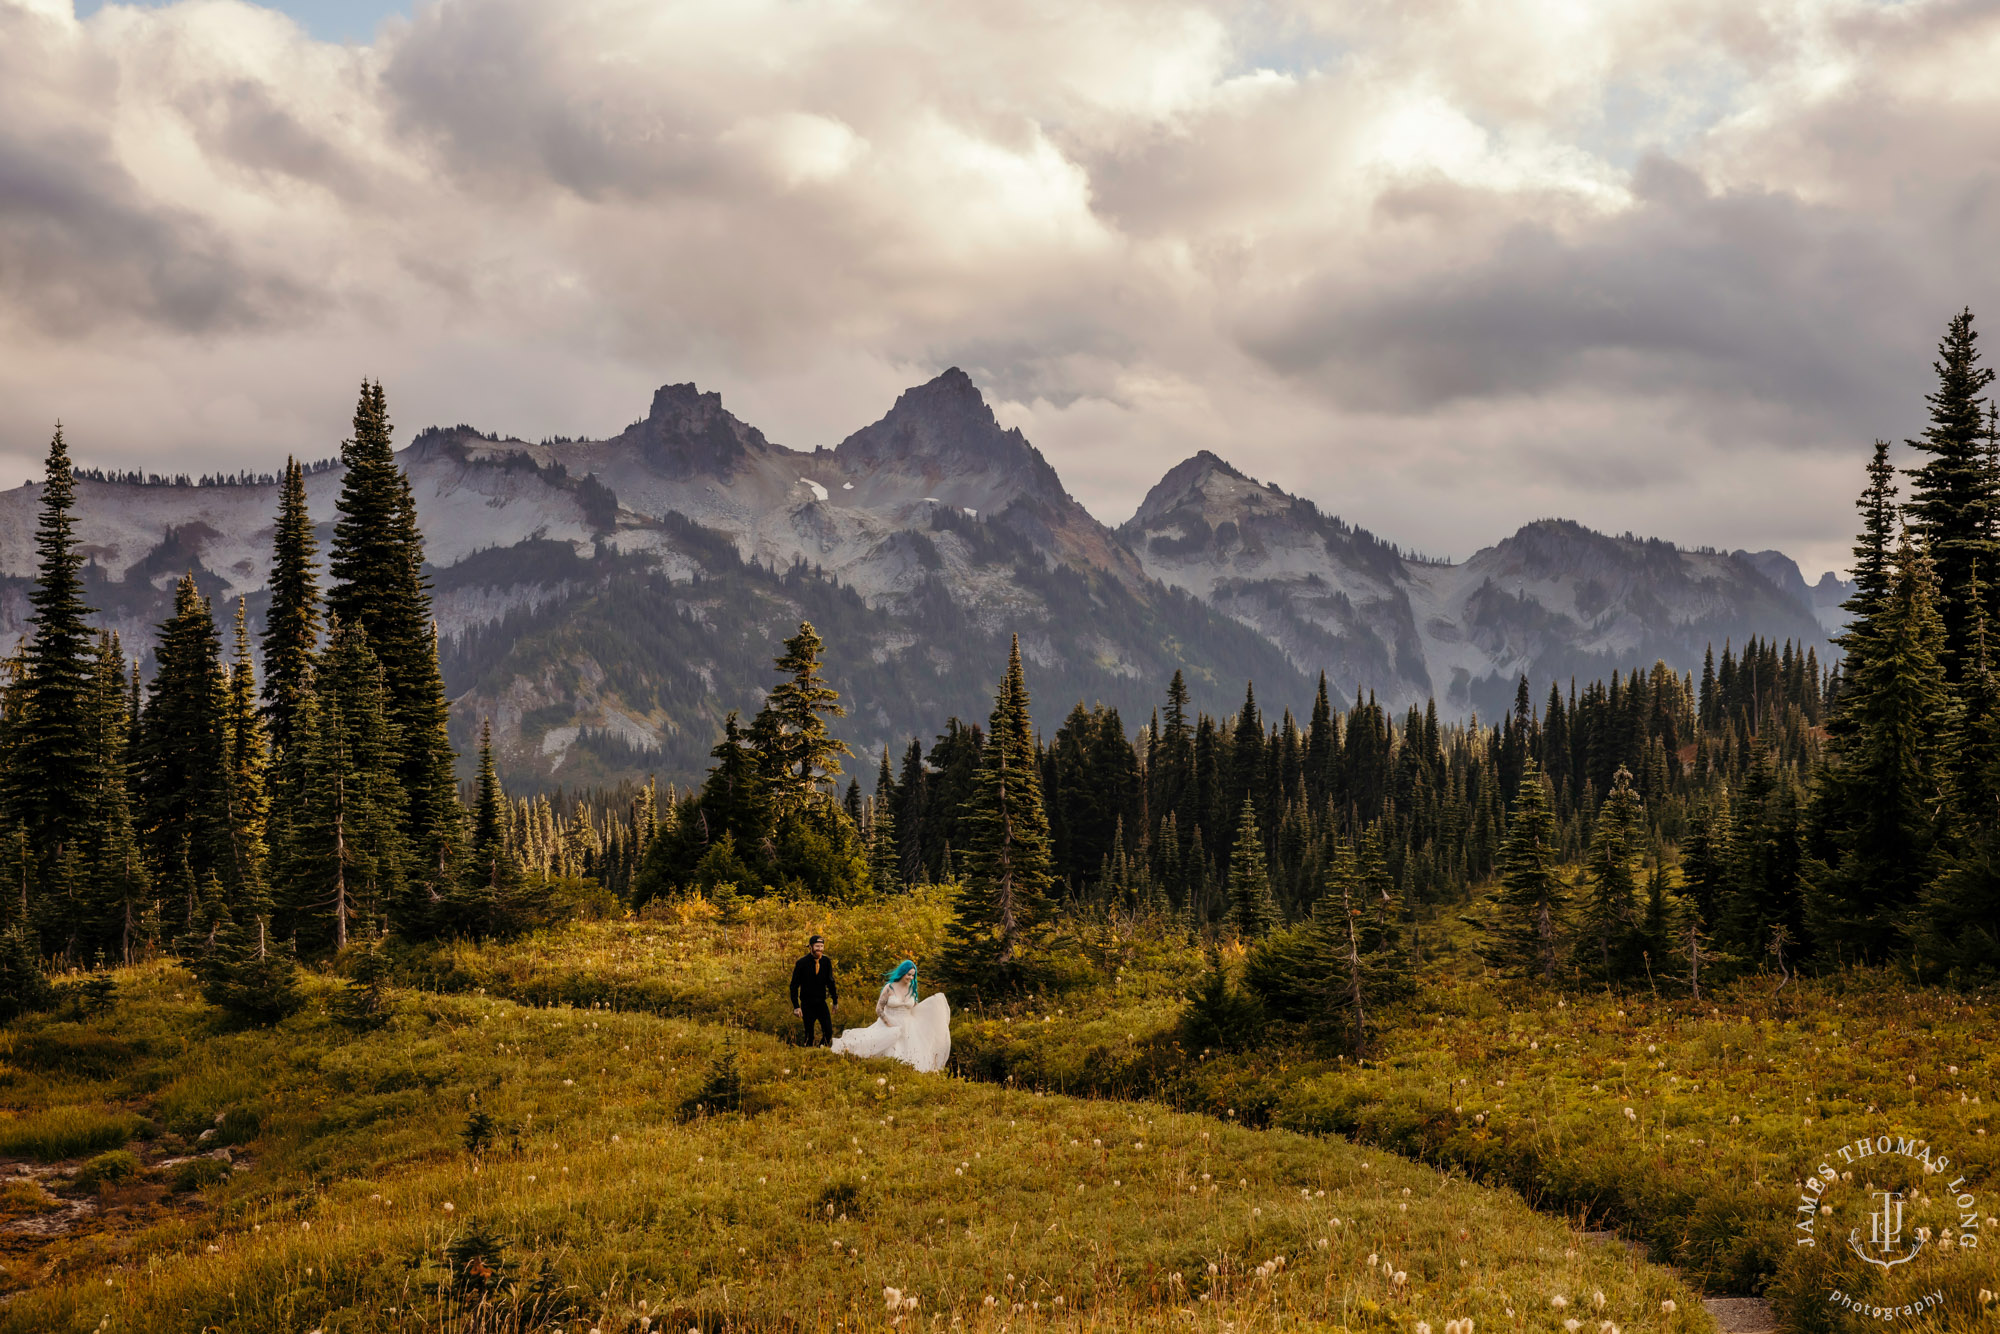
796, 751
492, 898
427, 773
884, 853
183, 779
1875, 548
1610, 909
1954, 495
1525, 932
247, 759
1356, 924
377, 565
292, 624
734, 799
1957, 926
1660, 930
50, 757
369, 561
1888, 783
489, 814
121, 901
343, 852
1219, 1016
1250, 902
1007, 862
363, 1004
247, 978
24, 988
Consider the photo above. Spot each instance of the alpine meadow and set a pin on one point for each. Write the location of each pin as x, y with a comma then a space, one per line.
1647, 994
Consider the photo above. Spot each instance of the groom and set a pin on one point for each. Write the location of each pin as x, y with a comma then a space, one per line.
814, 991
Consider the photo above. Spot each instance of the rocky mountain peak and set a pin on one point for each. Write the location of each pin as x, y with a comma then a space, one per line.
944, 427
1550, 548
688, 433
1204, 479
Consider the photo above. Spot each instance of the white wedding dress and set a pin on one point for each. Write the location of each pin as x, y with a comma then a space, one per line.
915, 1033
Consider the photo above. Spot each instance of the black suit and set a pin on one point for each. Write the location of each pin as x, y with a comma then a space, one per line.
812, 988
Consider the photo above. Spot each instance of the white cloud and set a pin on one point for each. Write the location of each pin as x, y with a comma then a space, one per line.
1444, 267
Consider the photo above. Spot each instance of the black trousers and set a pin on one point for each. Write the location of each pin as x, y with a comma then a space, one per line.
817, 1014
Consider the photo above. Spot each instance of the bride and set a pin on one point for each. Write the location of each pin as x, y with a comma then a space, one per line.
915, 1032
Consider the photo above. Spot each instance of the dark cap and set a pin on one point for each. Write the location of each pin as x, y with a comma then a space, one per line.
816, 940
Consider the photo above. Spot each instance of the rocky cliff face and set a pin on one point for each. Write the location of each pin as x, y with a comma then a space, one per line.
605, 602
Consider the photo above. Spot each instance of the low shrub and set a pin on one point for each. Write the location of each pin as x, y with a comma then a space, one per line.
108, 1169
192, 1174
722, 1090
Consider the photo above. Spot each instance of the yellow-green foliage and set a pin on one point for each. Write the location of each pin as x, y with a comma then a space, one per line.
1066, 1213
25, 1196
1733, 1100
56, 1133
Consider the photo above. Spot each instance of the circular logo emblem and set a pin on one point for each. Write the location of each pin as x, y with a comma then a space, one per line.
1891, 1225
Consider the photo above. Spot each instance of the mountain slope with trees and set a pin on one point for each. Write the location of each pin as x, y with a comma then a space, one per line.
579, 585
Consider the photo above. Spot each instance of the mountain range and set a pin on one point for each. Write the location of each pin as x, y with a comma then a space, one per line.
606, 602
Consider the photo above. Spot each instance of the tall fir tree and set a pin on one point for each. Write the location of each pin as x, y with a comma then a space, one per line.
50, 748
124, 918
884, 852
292, 622
1954, 494
1007, 863
377, 564
489, 814
248, 761
1887, 786
796, 750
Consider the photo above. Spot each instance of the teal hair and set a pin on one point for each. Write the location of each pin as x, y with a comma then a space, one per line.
907, 968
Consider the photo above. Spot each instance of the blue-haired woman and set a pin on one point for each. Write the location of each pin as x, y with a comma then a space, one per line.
916, 1032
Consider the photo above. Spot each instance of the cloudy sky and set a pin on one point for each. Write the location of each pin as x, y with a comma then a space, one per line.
1442, 267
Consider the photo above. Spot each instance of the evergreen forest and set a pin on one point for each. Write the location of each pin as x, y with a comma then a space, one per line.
257, 806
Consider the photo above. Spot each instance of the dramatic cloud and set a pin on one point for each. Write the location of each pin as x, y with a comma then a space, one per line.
1443, 267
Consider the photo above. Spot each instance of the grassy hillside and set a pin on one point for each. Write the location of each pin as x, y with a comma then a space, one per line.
1731, 1101
610, 1195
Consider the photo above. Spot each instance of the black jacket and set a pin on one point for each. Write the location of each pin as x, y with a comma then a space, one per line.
813, 986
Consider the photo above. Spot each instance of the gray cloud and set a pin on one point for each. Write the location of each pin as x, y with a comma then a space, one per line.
1729, 297
1444, 268
80, 246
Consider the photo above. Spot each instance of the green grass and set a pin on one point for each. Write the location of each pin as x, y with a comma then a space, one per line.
1068, 1213
1732, 1101
57, 1133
